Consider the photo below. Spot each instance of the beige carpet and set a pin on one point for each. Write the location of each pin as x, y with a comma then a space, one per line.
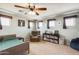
47, 48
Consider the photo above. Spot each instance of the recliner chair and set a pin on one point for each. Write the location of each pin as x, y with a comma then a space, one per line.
35, 36
75, 44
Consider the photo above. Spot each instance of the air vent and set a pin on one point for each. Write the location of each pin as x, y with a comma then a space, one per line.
21, 11
25, 13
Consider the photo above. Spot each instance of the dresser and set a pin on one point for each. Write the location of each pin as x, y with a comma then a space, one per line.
51, 37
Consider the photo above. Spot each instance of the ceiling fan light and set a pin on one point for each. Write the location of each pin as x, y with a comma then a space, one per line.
31, 13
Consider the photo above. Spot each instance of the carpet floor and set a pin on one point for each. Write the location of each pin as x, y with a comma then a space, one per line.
47, 48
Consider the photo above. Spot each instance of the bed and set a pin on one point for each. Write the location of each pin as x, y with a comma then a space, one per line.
13, 46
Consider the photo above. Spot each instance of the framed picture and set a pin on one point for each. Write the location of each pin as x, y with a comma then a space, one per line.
21, 23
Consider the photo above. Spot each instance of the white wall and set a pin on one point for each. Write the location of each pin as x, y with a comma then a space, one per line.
68, 34
24, 31
14, 29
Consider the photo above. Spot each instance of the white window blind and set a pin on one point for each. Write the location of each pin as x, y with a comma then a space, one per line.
5, 21
52, 23
31, 24
70, 21
40, 24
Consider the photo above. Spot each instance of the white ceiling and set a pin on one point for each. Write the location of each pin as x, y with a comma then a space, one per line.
52, 9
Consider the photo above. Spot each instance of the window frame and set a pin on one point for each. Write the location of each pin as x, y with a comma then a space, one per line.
48, 26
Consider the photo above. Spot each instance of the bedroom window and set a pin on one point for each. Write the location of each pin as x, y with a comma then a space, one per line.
40, 24
5, 21
51, 23
69, 21
30, 24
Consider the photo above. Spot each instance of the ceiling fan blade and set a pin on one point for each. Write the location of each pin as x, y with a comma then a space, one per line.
37, 13
20, 6
41, 8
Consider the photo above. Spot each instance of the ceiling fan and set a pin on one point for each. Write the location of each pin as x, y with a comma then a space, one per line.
32, 8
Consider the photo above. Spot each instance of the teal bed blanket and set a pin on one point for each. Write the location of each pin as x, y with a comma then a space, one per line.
10, 43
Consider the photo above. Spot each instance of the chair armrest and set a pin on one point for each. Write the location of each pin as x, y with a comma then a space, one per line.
75, 40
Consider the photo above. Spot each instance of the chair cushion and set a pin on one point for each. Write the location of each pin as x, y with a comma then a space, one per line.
35, 37
35, 33
9, 37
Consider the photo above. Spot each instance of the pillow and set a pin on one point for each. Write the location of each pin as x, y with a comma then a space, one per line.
9, 37
1, 38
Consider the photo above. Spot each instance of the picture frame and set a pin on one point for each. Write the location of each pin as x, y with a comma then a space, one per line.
21, 23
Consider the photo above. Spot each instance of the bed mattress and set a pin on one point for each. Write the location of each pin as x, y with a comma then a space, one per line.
9, 43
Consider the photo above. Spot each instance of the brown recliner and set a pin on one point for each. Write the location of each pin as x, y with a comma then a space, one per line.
35, 36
